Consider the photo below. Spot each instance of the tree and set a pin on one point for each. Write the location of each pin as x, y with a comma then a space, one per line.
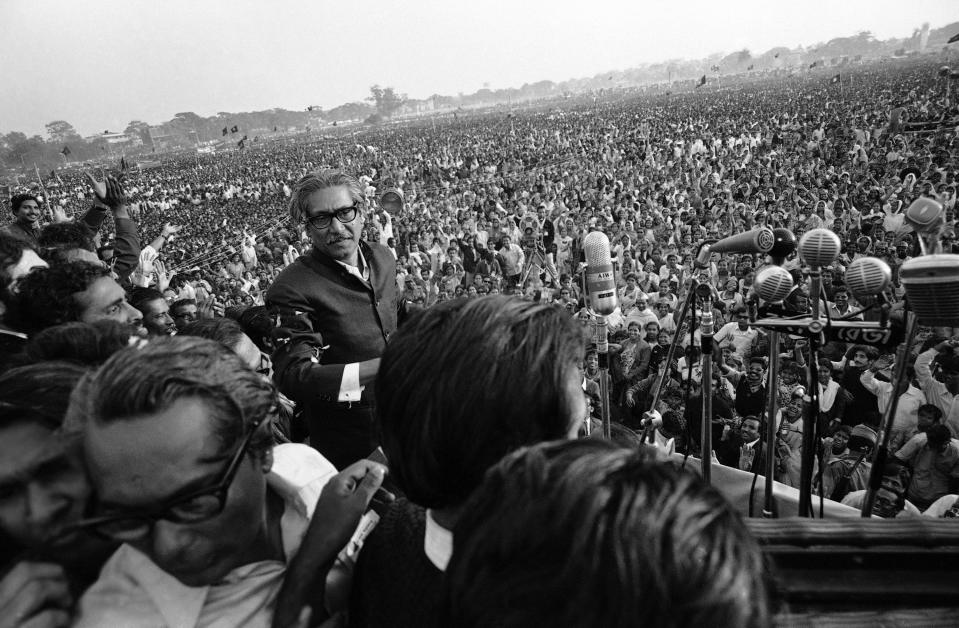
386, 100
61, 132
138, 128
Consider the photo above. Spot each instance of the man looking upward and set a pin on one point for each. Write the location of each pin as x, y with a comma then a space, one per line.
341, 294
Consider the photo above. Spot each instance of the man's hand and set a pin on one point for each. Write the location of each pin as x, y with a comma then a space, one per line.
338, 511
35, 595
99, 187
345, 497
163, 278
170, 230
59, 214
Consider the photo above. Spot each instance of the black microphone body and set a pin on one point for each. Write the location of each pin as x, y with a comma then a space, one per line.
756, 241
784, 243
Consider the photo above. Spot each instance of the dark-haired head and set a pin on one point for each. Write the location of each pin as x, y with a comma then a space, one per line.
142, 381
86, 344
585, 533
44, 484
17, 259
62, 242
48, 296
20, 199
467, 381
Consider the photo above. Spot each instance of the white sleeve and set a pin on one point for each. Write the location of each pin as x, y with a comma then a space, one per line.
350, 389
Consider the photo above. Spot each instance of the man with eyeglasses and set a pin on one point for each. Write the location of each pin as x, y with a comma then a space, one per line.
338, 307
177, 443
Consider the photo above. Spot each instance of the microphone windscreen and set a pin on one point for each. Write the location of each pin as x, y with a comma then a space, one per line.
924, 214
596, 249
392, 200
819, 247
932, 287
867, 277
773, 284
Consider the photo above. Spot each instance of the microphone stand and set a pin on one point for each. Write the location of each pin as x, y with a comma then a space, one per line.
706, 342
810, 423
602, 352
882, 450
689, 301
772, 401
811, 411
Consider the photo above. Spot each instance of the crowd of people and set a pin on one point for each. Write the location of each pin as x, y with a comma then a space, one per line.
209, 363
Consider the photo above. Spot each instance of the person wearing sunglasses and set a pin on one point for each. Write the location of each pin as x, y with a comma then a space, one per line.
186, 475
338, 306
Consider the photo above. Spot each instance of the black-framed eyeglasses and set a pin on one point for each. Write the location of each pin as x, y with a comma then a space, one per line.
345, 215
266, 364
200, 505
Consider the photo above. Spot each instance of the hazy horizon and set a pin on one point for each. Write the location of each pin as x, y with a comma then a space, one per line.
101, 63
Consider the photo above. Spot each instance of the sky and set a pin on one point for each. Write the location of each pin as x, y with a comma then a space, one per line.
101, 63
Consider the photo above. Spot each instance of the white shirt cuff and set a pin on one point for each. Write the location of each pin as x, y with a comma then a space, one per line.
350, 389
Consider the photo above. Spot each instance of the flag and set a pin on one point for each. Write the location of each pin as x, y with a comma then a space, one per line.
702, 81
953, 39
750, 68
234, 129
123, 164
65, 151
813, 64
225, 130
835, 79
310, 108
240, 143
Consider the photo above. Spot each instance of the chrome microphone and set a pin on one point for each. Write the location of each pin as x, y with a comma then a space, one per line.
932, 288
927, 217
868, 277
392, 201
773, 284
819, 247
600, 281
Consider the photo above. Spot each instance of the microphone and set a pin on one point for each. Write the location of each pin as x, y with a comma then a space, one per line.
600, 282
926, 216
932, 288
392, 200
784, 243
756, 241
819, 247
773, 284
601, 286
704, 254
868, 277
